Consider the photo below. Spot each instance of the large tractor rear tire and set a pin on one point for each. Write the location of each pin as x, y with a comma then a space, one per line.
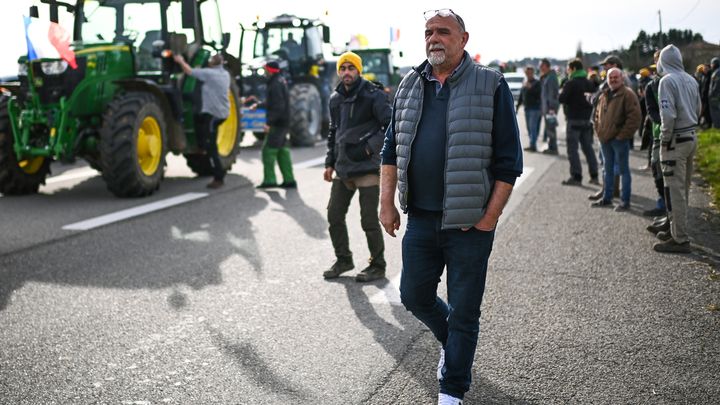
305, 114
133, 143
18, 177
229, 138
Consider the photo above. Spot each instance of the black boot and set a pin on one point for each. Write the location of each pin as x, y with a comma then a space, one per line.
341, 265
375, 271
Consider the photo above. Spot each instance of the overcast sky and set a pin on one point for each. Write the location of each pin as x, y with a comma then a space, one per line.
498, 29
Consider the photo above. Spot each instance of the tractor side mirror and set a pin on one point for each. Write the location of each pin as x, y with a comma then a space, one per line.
326, 34
34, 12
225, 40
189, 14
178, 43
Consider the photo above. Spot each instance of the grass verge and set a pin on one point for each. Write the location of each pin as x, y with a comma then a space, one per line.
708, 160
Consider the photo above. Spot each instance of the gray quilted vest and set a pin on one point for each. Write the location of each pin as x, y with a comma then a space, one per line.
469, 139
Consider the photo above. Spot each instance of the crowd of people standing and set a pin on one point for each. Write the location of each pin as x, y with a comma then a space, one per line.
662, 104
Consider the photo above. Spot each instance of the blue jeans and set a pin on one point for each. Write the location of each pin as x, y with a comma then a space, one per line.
617, 152
426, 250
532, 120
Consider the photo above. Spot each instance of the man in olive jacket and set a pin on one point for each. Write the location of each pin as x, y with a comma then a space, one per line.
359, 113
617, 117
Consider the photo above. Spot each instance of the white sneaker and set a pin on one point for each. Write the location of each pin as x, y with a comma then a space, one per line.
445, 399
441, 364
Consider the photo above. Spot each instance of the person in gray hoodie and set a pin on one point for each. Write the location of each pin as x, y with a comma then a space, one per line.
680, 108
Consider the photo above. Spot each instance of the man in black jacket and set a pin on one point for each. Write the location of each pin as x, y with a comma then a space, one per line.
575, 94
653, 109
359, 114
530, 98
277, 105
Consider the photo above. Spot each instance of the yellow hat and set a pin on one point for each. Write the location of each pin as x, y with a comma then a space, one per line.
644, 72
351, 57
700, 68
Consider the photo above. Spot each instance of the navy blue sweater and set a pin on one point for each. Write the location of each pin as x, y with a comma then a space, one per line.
427, 163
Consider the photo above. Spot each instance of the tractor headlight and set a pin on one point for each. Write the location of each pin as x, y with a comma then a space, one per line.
54, 68
22, 69
246, 72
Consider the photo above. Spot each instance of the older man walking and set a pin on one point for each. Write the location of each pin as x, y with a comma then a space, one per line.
453, 151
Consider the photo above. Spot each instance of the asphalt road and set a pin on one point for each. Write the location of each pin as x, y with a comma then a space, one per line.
220, 299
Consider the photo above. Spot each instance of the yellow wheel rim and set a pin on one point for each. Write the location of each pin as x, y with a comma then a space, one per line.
32, 165
149, 146
227, 132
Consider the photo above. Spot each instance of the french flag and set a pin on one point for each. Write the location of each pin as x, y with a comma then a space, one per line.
394, 34
46, 39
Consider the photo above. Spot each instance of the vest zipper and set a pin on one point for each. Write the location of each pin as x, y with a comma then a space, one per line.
414, 133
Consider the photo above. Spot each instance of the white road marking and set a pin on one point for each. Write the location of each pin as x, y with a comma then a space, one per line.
71, 176
310, 163
133, 212
390, 294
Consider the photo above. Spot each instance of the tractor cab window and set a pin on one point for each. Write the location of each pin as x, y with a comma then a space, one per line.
174, 21
143, 26
287, 43
212, 29
98, 23
137, 24
375, 67
313, 39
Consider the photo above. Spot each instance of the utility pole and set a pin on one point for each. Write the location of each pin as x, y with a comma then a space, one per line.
660, 22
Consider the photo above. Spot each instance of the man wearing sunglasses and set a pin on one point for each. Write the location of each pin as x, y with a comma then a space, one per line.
453, 151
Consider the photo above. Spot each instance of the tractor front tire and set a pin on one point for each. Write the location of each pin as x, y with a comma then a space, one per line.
133, 144
18, 177
305, 114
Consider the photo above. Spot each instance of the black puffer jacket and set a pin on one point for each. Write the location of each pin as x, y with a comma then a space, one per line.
358, 119
277, 102
573, 95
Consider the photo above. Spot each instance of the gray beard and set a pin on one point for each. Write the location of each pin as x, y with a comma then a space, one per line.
436, 59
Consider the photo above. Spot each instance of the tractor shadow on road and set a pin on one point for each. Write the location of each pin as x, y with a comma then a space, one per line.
309, 219
143, 252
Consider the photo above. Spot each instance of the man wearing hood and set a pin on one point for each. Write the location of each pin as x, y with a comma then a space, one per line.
359, 114
680, 108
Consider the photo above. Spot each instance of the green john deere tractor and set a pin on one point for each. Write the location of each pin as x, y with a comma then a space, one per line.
125, 105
